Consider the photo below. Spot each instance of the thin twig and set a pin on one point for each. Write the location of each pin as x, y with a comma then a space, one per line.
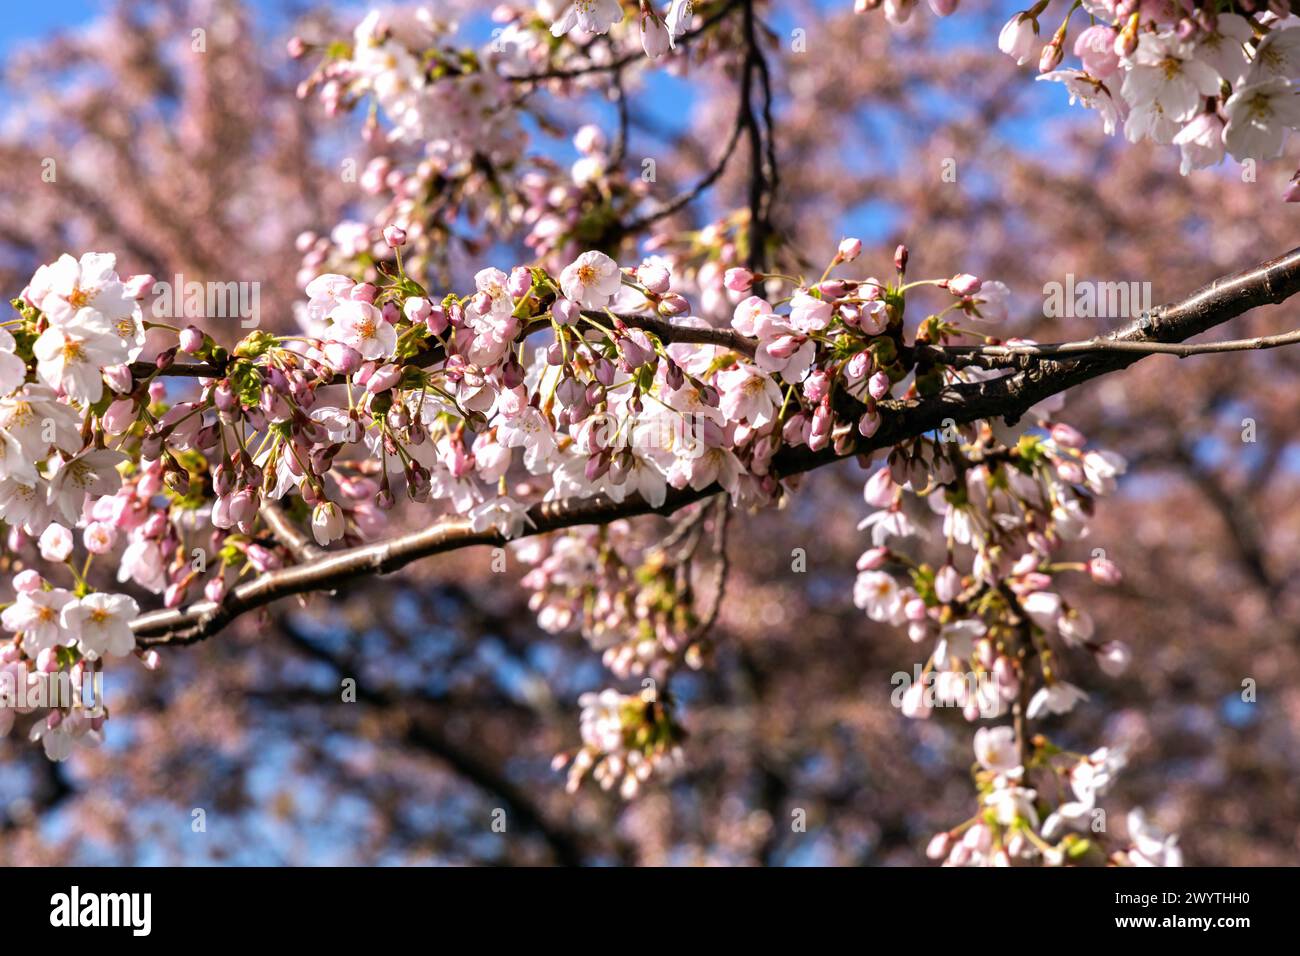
1098, 345
287, 533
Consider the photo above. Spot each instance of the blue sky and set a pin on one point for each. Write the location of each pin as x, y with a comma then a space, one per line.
21, 21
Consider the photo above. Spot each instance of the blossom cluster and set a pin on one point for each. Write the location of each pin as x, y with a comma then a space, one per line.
625, 739
1010, 829
998, 631
533, 387
445, 121
660, 29
53, 480
1211, 79
1208, 82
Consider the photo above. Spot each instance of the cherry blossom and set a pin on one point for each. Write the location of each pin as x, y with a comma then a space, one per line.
102, 624
590, 16
591, 280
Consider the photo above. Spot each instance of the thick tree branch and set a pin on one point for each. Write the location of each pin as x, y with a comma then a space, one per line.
1008, 397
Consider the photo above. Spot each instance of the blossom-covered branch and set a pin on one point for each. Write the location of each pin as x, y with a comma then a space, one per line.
1216, 303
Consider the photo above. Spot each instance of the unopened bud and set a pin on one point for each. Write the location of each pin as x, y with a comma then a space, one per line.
900, 258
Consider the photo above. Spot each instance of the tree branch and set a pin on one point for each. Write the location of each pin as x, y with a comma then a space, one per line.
300, 545
665, 329
1008, 397
1094, 346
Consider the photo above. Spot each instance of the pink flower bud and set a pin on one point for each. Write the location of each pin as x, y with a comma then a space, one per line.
119, 378
1104, 572
395, 236
1113, 658
655, 278
873, 559
365, 292
964, 284
223, 396
262, 559
947, 584
784, 346
243, 507
343, 359
47, 662
635, 348
98, 537
55, 543
520, 282
795, 430
879, 385
1050, 58
869, 424
138, 286
215, 589
738, 280
437, 321
155, 526
191, 339
119, 416
174, 596
1068, 435
819, 432
384, 378
673, 304
859, 366
566, 312
817, 385
25, 582
654, 35
849, 249
880, 489
939, 844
